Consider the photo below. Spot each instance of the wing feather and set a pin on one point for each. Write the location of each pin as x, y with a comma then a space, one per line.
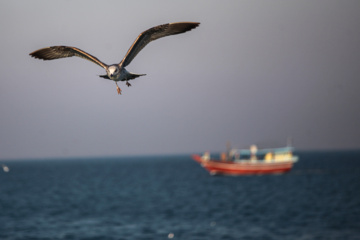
56, 52
155, 33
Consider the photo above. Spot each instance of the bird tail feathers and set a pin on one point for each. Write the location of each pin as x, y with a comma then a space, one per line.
132, 76
128, 77
104, 76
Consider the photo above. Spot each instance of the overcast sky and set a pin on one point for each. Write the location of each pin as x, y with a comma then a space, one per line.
252, 72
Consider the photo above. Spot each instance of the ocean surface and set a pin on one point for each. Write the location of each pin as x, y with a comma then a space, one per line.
173, 197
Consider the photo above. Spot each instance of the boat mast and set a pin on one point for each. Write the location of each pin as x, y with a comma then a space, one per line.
228, 149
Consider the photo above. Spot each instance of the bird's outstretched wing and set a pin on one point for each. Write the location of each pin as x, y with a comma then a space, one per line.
55, 52
154, 33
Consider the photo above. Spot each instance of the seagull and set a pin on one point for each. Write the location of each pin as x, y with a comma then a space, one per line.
117, 72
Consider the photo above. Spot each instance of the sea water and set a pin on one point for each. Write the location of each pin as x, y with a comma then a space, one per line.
173, 197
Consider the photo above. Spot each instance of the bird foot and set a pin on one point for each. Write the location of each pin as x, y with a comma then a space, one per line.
128, 84
118, 90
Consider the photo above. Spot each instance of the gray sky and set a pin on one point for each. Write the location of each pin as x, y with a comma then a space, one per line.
253, 72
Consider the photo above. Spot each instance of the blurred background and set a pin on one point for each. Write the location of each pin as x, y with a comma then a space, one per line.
252, 72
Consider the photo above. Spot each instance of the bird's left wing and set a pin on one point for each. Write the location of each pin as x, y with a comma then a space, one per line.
56, 52
155, 33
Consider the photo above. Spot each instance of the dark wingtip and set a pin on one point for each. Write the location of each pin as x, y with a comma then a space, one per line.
194, 25
181, 27
33, 54
48, 53
40, 53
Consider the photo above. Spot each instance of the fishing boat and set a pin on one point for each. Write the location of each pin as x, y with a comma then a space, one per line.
251, 161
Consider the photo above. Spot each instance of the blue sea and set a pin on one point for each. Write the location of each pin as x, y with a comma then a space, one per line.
173, 197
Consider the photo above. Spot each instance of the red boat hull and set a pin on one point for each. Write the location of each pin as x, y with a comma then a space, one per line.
243, 168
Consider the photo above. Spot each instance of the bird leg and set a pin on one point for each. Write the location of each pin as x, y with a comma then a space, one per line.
118, 89
128, 84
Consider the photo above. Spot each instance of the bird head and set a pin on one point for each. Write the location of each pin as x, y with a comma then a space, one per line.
113, 71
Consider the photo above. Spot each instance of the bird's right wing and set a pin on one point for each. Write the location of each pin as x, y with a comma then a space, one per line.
56, 52
155, 33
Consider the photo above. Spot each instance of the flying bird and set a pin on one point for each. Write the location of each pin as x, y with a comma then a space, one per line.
117, 72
